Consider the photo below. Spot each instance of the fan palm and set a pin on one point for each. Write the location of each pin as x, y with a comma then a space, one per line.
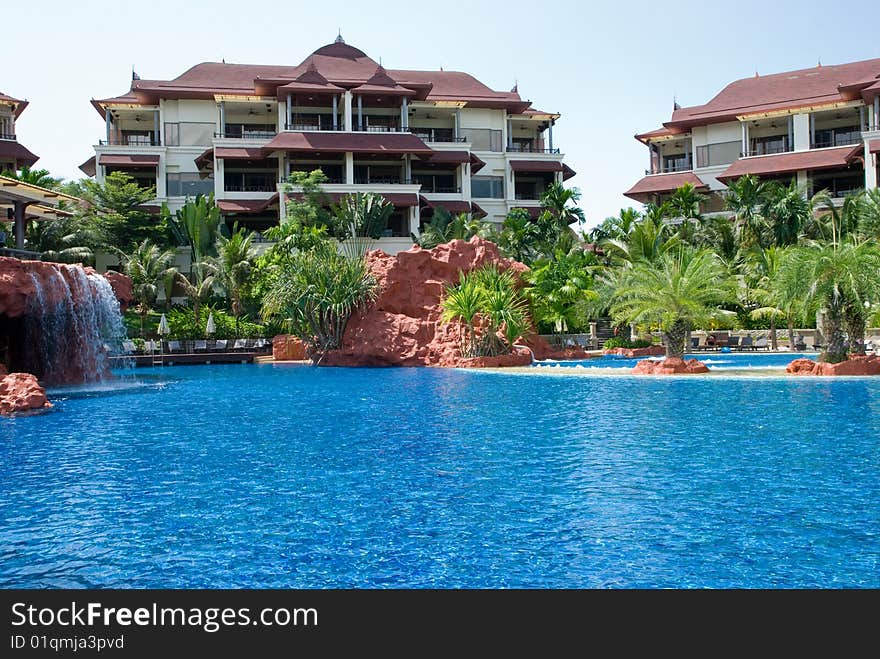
148, 267
561, 202
681, 289
745, 197
235, 264
199, 286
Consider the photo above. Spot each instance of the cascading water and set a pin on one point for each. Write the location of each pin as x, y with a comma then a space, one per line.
73, 325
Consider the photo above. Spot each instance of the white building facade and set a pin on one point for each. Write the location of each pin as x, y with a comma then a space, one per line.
423, 139
819, 127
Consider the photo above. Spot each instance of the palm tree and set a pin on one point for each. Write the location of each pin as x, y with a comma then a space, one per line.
745, 197
316, 294
616, 227
200, 285
786, 209
197, 225
561, 202
362, 217
685, 202
681, 289
647, 241
561, 288
39, 177
762, 268
519, 236
842, 279
148, 267
235, 263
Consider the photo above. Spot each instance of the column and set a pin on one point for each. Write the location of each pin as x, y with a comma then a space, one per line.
790, 145
415, 220
466, 181
219, 177
360, 112
404, 114
457, 123
289, 117
335, 112
550, 135
222, 118
862, 117
349, 167
407, 168
745, 138
347, 103
108, 120
19, 207
801, 128
877, 113
812, 131
161, 178
509, 134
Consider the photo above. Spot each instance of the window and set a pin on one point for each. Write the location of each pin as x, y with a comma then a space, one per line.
188, 185
487, 187
721, 153
189, 134
482, 139
766, 145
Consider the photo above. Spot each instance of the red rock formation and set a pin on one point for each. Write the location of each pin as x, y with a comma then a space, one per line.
402, 327
650, 351
20, 392
121, 285
671, 366
286, 347
17, 284
866, 365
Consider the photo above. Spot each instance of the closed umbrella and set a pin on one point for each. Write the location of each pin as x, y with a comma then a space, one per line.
163, 326
210, 328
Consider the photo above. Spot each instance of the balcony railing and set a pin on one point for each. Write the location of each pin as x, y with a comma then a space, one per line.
311, 127
841, 139
439, 189
249, 187
528, 148
382, 180
248, 135
767, 149
132, 140
719, 153
528, 196
435, 134
7, 136
391, 128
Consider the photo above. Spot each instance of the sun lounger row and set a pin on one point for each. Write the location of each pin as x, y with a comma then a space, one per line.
730, 342
202, 345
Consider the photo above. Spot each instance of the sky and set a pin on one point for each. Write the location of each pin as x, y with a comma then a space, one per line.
611, 69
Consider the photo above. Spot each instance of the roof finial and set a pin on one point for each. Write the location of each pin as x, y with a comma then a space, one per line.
515, 89
675, 105
134, 76
339, 38
820, 63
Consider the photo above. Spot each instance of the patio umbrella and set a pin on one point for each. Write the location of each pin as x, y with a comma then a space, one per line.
210, 328
163, 326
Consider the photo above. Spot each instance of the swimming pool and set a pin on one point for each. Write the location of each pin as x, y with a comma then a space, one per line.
718, 361
291, 476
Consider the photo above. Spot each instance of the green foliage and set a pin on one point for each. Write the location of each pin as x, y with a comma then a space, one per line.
148, 267
561, 203
115, 207
560, 289
488, 302
620, 342
184, 325
316, 293
39, 177
236, 257
307, 204
197, 225
679, 291
360, 219
444, 228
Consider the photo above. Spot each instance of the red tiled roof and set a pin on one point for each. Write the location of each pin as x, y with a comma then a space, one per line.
451, 206
20, 105
477, 211
10, 149
398, 199
128, 160
785, 163
451, 157
381, 83
659, 183
126, 98
791, 89
88, 167
567, 172
205, 160
536, 165
660, 132
476, 164
390, 143
246, 205
873, 146
239, 153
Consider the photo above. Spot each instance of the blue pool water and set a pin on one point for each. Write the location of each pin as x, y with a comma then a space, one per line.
291, 476
714, 360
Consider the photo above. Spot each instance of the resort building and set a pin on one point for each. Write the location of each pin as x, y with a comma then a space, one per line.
818, 126
13, 155
423, 139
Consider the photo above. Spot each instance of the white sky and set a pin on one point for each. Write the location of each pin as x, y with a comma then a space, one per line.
611, 69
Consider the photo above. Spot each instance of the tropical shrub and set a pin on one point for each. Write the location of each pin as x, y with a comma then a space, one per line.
183, 325
620, 342
490, 305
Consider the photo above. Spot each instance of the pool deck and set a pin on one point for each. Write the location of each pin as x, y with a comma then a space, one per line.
172, 359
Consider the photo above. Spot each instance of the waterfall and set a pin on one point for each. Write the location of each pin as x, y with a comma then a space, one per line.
73, 325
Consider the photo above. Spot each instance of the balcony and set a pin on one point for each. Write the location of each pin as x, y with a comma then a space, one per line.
529, 148
7, 136
382, 180
248, 187
824, 139
718, 154
132, 139
767, 147
305, 127
435, 134
245, 132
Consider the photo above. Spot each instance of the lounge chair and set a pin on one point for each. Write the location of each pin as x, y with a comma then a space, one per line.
174, 346
747, 343
240, 344
799, 343
220, 345
762, 343
129, 347
695, 343
200, 346
733, 343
